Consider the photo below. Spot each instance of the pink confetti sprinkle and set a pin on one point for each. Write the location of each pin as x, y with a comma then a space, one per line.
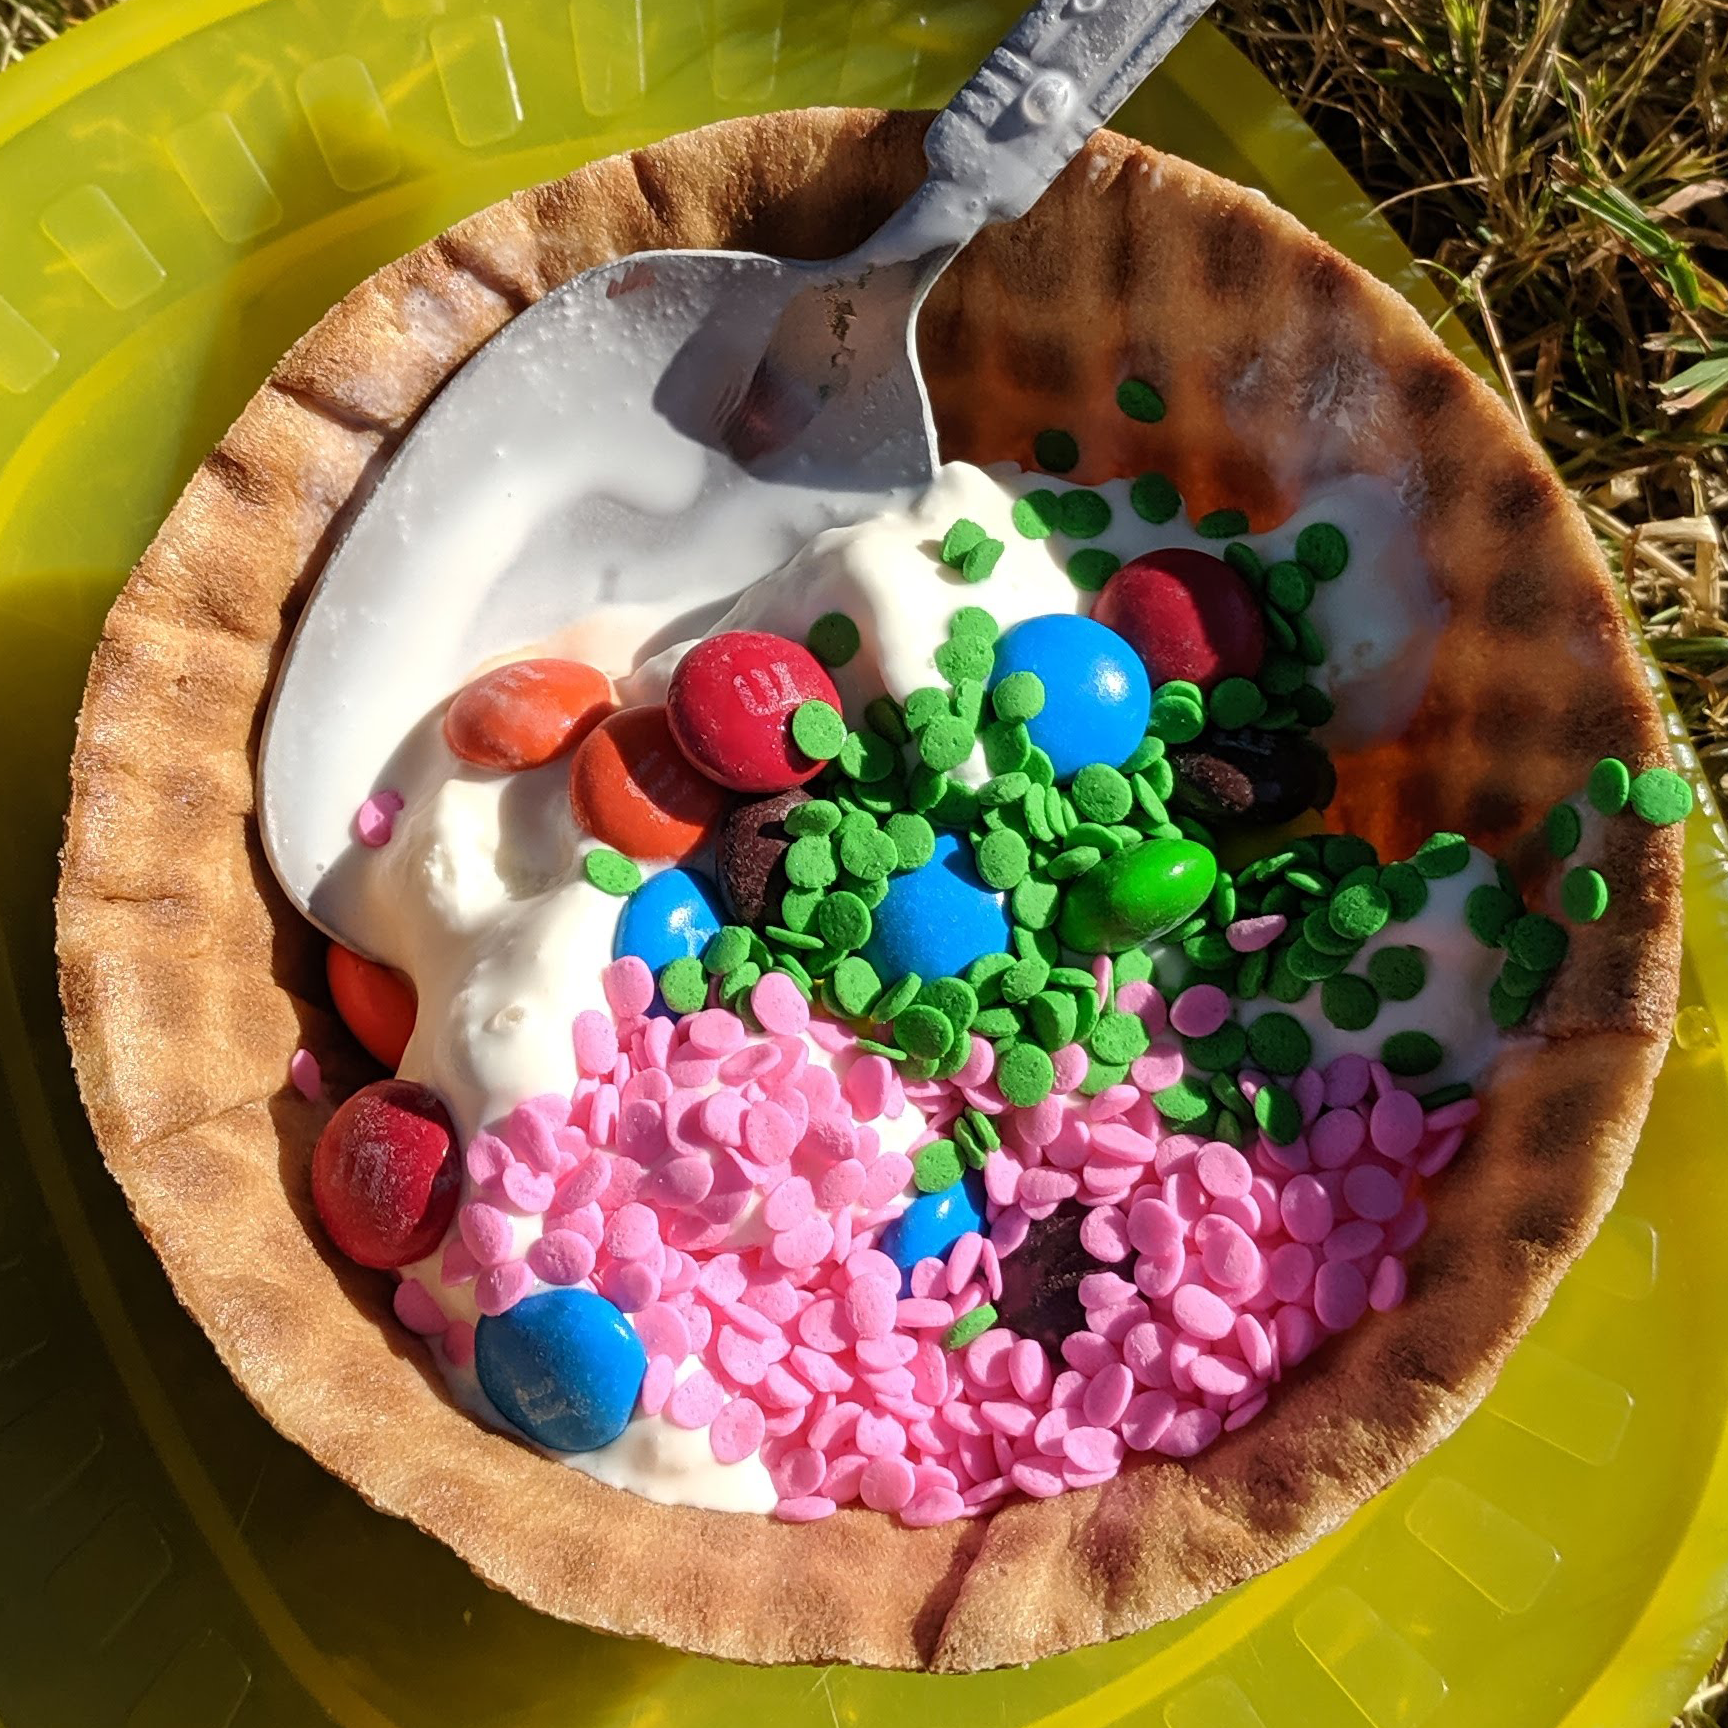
1199, 1011
778, 1004
561, 1257
305, 1074
459, 1343
1396, 1124
417, 1308
499, 1288
1250, 935
629, 986
806, 1509
696, 1402
375, 820
487, 1233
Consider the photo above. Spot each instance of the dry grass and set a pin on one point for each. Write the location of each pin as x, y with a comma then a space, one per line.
1562, 169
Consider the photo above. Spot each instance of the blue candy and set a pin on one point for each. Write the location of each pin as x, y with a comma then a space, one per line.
565, 1366
1097, 697
936, 920
669, 916
933, 1223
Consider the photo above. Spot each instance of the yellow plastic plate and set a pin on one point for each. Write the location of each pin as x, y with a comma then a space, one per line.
183, 189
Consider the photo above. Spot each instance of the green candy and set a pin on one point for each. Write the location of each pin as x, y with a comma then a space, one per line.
1142, 892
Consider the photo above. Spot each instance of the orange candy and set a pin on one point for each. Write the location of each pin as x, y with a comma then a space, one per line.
526, 713
632, 789
377, 1004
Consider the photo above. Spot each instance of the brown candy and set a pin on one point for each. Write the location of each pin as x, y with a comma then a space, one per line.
750, 855
1251, 775
1041, 1280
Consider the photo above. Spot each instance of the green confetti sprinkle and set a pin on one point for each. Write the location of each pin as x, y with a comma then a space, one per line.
833, 639
867, 758
1053, 1015
810, 862
1035, 904
1279, 1044
1565, 829
1323, 549
978, 564
1289, 586
1082, 514
955, 998
963, 657
1584, 894
1279, 1115
1405, 889
1398, 973
1178, 712
818, 730
972, 1324
1101, 793
684, 985
1506, 1009
896, 998
936, 1167
945, 743
925, 705
1221, 525
728, 947
1018, 697
1609, 786
1441, 1096
913, 838
1055, 451
1034, 516
1024, 1074
1350, 1003
855, 985
1442, 855
959, 540
1139, 401
1359, 912
844, 921
1188, 1101
1408, 1054
1660, 797
1222, 1049
1119, 1037
924, 1031
818, 816
1489, 912
1003, 859
1313, 706
1236, 702
611, 872
974, 621
1536, 941
1154, 498
868, 854
1519, 980
1091, 567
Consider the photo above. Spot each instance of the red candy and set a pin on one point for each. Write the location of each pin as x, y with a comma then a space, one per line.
1187, 615
386, 1176
633, 790
731, 703
524, 714
375, 1003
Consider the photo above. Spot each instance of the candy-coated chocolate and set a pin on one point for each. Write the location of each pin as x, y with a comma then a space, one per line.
376, 1004
750, 854
671, 915
936, 920
526, 713
933, 1223
1251, 775
386, 1176
1187, 615
633, 790
1097, 699
731, 703
1140, 893
565, 1366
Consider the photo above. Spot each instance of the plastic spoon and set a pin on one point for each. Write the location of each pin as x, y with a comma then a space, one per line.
667, 427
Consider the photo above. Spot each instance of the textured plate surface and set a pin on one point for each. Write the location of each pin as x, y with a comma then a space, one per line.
183, 188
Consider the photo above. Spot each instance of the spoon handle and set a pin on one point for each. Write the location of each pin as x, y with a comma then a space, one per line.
1057, 76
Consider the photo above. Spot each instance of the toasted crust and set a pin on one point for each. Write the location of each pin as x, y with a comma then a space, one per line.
188, 982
